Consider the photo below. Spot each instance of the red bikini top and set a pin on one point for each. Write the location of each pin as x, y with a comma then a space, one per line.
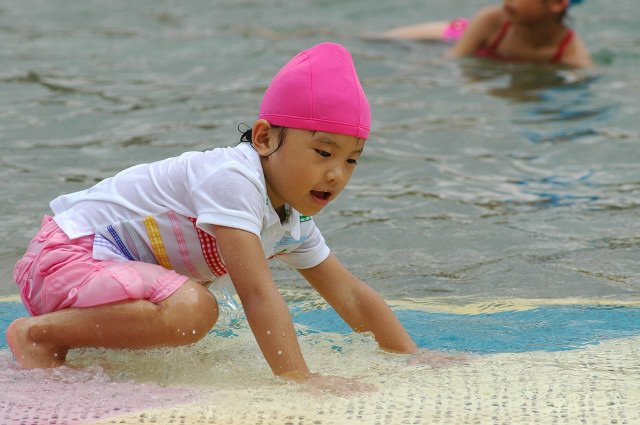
491, 51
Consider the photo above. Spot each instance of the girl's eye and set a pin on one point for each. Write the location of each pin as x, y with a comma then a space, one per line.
352, 161
323, 153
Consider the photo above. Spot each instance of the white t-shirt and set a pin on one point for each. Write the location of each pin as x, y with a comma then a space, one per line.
163, 213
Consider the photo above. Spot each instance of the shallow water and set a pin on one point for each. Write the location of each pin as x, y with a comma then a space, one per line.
480, 181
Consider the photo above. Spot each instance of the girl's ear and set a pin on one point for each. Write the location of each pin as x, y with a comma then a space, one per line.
559, 6
261, 138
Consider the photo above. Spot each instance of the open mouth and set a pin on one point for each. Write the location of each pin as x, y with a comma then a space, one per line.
321, 195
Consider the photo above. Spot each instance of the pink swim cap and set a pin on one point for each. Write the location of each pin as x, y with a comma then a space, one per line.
318, 90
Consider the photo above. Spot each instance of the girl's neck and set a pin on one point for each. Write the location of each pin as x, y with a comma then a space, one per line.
539, 34
278, 204
283, 212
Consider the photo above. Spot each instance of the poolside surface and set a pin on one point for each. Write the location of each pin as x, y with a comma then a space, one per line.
503, 388
585, 371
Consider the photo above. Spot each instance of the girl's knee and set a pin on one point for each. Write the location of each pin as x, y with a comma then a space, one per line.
192, 308
207, 308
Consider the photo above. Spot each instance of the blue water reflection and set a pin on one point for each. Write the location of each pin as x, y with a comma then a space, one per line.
547, 328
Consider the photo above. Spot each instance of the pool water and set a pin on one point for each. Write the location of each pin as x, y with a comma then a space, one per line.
495, 206
546, 327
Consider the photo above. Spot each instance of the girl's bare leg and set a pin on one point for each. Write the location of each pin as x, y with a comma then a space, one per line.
183, 318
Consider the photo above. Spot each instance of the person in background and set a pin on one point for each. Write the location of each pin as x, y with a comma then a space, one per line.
531, 31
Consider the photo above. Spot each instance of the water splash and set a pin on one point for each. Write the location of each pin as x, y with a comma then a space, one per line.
231, 313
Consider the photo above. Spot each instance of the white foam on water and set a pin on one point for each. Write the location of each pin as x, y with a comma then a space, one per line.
593, 385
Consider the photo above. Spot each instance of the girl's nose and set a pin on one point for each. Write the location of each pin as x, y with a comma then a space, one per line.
336, 174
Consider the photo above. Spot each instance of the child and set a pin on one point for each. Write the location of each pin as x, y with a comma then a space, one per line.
125, 263
516, 31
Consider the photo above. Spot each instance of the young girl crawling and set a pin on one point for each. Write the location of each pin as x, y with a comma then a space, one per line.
126, 263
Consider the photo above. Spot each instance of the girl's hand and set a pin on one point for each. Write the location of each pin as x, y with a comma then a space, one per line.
318, 384
437, 359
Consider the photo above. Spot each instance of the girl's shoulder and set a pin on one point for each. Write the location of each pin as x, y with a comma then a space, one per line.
492, 16
576, 53
483, 28
488, 22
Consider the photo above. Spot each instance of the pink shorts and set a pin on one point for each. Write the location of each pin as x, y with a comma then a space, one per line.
57, 273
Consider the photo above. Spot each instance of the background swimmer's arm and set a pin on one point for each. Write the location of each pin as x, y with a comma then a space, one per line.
359, 305
482, 27
265, 309
428, 31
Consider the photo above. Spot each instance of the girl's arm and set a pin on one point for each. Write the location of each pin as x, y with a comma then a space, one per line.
428, 31
265, 309
359, 305
480, 31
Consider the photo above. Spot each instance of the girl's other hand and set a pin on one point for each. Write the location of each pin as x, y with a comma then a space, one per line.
318, 384
437, 359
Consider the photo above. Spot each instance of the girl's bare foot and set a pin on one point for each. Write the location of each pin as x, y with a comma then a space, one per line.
31, 354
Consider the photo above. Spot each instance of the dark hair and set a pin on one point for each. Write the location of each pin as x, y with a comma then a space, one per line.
246, 136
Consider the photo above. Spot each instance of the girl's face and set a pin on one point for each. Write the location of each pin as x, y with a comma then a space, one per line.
533, 11
309, 169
